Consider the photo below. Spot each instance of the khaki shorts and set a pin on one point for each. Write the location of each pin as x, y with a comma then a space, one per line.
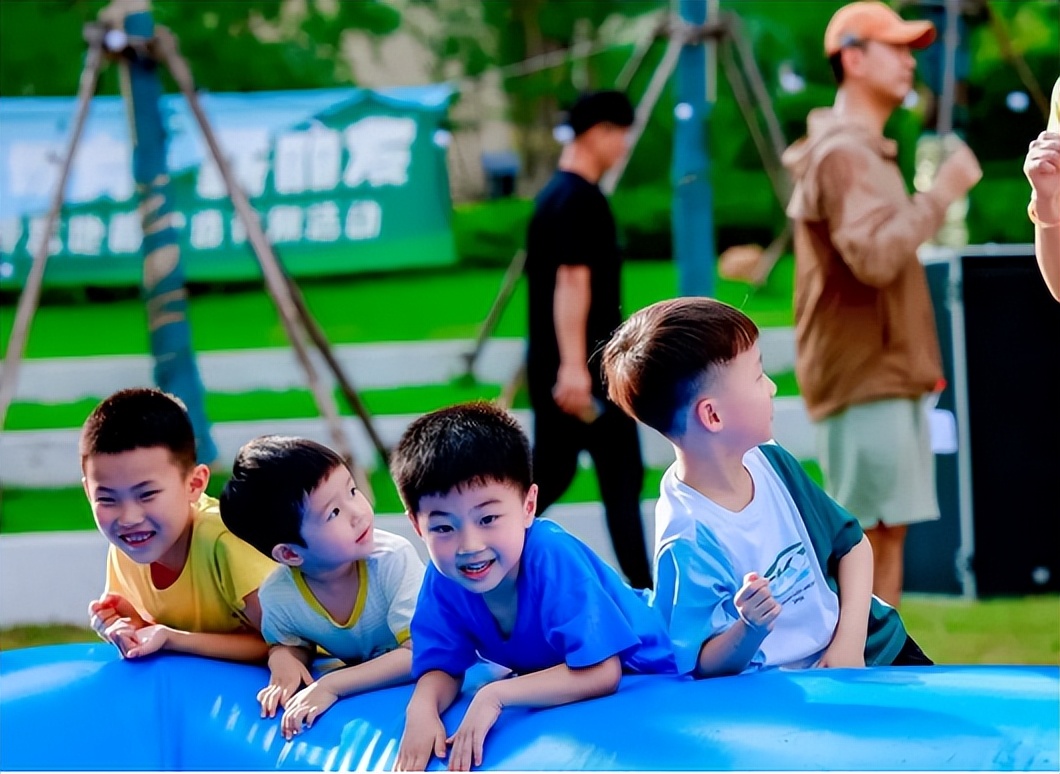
878, 463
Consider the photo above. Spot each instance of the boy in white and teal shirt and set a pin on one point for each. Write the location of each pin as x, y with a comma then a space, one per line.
755, 565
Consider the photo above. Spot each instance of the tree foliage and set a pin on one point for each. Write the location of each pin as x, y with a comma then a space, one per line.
248, 45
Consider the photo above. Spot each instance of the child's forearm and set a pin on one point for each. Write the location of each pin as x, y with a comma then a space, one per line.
855, 592
236, 646
388, 669
557, 685
730, 652
435, 690
302, 654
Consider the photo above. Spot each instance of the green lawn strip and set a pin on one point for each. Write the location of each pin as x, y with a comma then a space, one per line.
299, 404
411, 306
14, 637
951, 630
66, 509
994, 631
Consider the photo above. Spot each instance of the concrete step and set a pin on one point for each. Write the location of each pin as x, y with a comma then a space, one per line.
368, 366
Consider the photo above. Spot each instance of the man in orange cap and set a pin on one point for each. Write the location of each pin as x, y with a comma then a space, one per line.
866, 349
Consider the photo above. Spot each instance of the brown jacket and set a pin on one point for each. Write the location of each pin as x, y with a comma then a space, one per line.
864, 326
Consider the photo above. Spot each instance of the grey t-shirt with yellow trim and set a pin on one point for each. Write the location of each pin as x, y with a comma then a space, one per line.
390, 581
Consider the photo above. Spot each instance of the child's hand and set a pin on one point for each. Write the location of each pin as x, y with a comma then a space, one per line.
306, 706
149, 639
115, 620
468, 740
424, 734
286, 675
754, 601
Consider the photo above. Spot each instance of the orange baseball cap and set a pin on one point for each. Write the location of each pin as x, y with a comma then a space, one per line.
858, 22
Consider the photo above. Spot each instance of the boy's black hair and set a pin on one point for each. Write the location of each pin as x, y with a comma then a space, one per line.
264, 500
663, 354
139, 418
460, 446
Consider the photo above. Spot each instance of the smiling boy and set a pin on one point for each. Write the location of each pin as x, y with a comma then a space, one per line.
176, 578
521, 593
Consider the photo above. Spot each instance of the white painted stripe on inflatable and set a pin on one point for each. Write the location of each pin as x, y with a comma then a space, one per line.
50, 577
49, 459
368, 366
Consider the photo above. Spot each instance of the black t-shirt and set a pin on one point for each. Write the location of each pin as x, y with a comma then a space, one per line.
572, 225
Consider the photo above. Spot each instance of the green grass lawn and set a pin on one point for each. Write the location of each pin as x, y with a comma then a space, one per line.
412, 306
950, 630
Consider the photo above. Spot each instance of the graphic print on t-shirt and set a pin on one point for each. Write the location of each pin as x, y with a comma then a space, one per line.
790, 575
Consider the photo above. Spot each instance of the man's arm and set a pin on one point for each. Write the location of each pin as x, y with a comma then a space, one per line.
855, 598
548, 688
570, 316
875, 233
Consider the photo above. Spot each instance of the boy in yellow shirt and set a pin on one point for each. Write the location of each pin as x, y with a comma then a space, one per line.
177, 579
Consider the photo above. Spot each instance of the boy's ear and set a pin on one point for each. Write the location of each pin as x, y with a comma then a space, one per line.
415, 522
84, 485
197, 480
530, 504
285, 553
705, 413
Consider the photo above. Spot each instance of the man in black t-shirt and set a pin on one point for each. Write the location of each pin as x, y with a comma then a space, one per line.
574, 270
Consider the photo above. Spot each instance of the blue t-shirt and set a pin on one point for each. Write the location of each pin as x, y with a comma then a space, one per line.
572, 608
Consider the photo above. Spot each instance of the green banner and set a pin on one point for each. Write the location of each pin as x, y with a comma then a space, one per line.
359, 183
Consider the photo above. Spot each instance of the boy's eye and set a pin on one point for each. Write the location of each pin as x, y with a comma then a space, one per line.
105, 500
148, 495
333, 514
440, 529
353, 491
490, 519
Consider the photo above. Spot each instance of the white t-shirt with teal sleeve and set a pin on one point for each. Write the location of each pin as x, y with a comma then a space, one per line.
390, 581
703, 551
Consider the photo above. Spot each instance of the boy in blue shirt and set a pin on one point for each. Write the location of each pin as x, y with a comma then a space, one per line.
341, 584
521, 593
756, 566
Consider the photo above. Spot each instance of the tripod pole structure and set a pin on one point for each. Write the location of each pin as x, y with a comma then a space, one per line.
609, 182
511, 279
316, 333
174, 365
275, 278
27, 302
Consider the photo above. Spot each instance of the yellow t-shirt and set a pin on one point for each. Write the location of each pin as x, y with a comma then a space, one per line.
208, 595
1054, 109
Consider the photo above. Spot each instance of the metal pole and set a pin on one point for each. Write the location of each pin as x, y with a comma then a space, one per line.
950, 42
166, 298
693, 208
609, 182
275, 279
27, 302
